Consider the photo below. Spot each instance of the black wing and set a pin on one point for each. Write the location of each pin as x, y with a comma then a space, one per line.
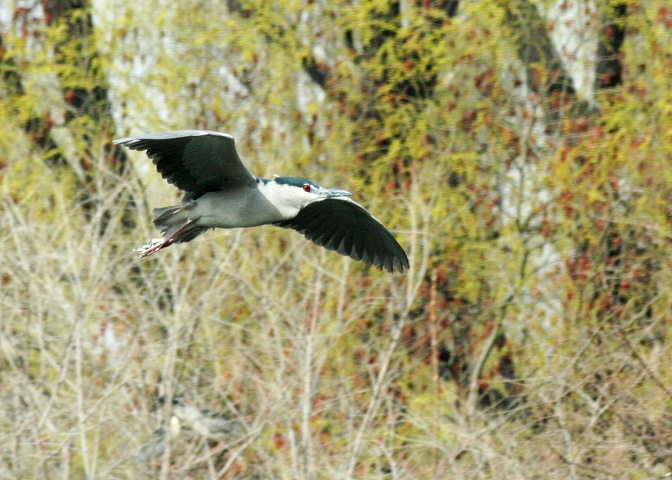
196, 161
344, 226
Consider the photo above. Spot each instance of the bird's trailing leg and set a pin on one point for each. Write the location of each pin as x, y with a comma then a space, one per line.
171, 236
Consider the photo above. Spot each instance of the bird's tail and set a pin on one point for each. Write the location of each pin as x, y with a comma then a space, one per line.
177, 223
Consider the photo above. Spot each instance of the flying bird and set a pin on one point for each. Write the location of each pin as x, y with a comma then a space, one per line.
221, 193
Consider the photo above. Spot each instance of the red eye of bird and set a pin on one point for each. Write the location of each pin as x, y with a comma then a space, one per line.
306, 187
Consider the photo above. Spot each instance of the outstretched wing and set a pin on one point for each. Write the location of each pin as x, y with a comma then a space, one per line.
344, 226
196, 161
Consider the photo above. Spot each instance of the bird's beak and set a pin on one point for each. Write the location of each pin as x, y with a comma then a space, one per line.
333, 192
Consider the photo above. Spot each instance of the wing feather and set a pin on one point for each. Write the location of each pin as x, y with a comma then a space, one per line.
344, 226
196, 161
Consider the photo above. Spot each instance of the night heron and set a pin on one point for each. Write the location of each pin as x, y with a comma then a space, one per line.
221, 193
202, 422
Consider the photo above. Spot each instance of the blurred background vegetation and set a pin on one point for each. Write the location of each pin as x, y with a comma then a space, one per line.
521, 152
